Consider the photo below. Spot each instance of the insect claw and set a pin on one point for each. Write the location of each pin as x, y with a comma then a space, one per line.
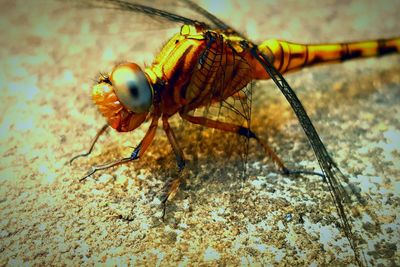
100, 132
94, 169
84, 178
286, 171
164, 206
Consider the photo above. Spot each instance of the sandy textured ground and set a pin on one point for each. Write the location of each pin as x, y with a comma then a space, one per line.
50, 53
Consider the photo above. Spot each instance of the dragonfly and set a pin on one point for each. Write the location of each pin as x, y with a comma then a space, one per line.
212, 63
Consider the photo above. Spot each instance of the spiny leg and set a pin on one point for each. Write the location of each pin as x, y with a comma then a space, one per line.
173, 185
229, 127
107, 165
99, 133
137, 152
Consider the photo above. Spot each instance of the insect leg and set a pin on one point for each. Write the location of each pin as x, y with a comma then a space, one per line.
137, 152
173, 185
228, 127
172, 140
100, 132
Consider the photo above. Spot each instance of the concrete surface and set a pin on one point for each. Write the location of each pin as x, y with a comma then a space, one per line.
50, 52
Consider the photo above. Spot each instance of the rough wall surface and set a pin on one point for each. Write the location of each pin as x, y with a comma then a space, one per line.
50, 51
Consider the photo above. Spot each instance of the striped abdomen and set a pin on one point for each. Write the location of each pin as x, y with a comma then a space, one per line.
290, 56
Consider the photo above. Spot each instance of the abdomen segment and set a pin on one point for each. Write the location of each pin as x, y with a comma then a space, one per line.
290, 56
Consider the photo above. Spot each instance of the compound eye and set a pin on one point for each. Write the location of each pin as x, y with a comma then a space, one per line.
132, 87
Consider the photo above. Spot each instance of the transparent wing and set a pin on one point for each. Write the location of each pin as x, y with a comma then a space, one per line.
235, 110
157, 10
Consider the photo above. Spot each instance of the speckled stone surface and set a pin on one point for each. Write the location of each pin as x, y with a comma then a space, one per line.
51, 51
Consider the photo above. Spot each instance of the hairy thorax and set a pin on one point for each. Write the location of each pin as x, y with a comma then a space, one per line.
198, 68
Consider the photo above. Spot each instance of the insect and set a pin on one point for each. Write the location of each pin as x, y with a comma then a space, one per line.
205, 64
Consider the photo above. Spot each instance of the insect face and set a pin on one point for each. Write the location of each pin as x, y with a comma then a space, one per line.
125, 97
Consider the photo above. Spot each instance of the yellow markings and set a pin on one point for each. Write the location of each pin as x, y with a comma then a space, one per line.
168, 47
274, 46
321, 53
395, 43
286, 56
178, 52
298, 55
185, 30
367, 49
100, 90
190, 32
152, 74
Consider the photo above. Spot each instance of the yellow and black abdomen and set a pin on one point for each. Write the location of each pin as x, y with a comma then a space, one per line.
290, 56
